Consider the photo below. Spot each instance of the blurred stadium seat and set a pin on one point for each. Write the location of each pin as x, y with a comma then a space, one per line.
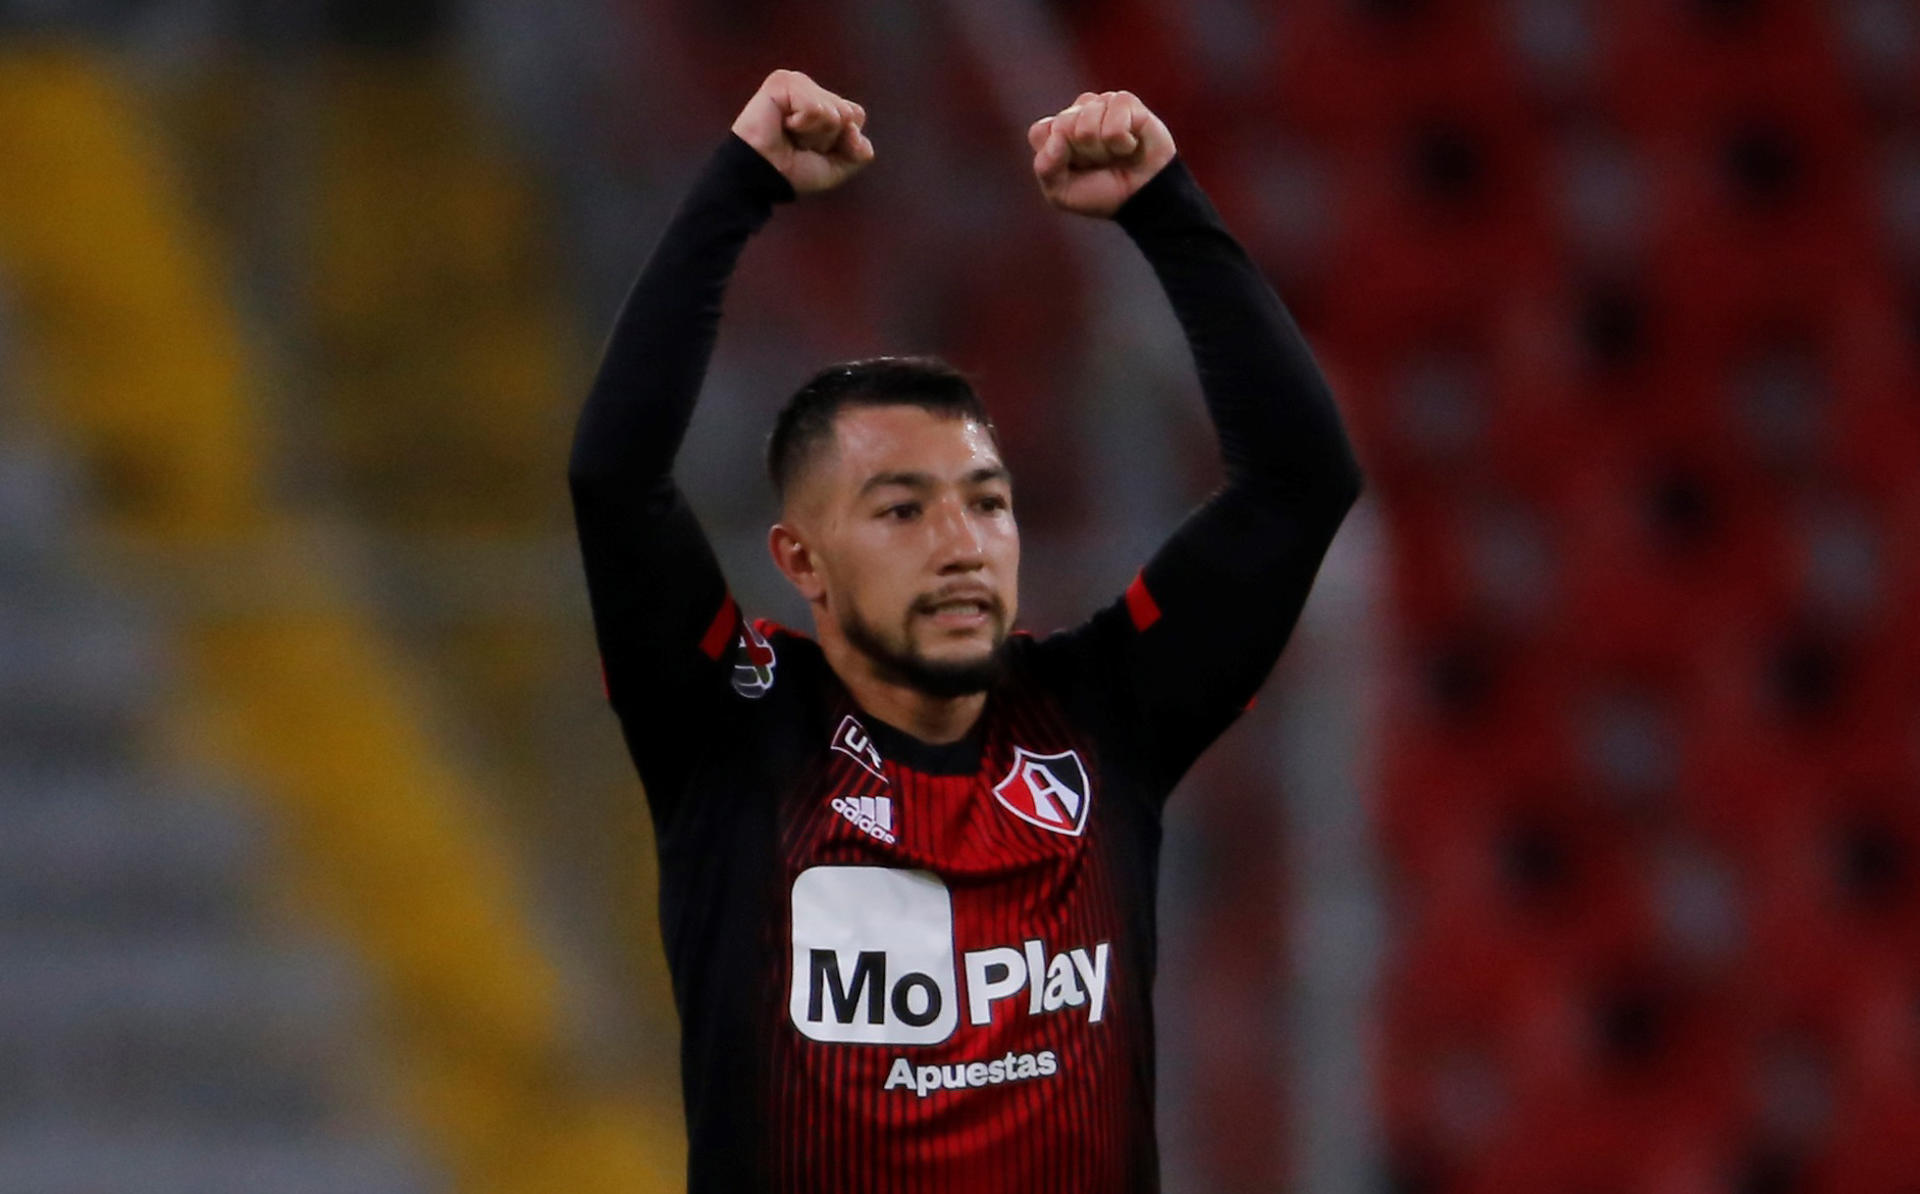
158, 1032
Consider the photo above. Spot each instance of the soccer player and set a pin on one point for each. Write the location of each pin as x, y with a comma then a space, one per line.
908, 863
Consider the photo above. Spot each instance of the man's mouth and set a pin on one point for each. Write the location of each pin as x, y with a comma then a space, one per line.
960, 613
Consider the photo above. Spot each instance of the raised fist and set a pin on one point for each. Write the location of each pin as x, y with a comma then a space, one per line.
811, 135
1091, 157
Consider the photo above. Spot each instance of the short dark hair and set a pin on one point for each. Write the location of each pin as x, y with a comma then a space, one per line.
806, 421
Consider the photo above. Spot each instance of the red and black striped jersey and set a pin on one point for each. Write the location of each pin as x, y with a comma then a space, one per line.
906, 966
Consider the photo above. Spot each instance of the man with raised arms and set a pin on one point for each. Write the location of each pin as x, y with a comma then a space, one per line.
908, 862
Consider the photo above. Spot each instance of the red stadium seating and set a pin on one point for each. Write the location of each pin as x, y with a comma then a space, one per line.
1654, 595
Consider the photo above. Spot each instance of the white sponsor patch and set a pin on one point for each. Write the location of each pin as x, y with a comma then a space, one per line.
874, 963
873, 956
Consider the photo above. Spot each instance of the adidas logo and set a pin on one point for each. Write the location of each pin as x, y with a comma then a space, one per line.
873, 814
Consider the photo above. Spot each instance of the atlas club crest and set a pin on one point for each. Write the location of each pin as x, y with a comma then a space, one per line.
1051, 791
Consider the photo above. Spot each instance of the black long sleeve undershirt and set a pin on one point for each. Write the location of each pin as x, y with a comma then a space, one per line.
1271, 408
656, 357
1228, 585
662, 615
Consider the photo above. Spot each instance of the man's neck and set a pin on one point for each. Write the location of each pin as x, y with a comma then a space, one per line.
929, 718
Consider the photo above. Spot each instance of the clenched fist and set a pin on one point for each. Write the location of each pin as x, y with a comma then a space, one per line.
1091, 157
812, 136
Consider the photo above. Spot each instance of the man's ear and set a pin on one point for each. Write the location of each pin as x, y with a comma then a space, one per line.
796, 560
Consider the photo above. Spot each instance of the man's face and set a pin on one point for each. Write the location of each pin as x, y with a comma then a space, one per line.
908, 517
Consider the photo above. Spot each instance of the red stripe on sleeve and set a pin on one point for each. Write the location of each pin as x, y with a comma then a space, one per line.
1140, 604
721, 632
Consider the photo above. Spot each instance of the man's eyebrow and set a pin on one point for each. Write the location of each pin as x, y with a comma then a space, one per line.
911, 480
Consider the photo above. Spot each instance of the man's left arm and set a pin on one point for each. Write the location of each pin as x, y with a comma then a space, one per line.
1201, 626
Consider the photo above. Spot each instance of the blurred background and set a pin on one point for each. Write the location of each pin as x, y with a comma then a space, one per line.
1574, 847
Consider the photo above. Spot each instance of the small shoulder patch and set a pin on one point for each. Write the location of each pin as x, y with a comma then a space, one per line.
753, 662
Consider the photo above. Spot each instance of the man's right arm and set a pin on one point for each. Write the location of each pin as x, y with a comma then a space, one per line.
663, 618
655, 586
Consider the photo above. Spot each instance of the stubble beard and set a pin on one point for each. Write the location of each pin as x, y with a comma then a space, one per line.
933, 677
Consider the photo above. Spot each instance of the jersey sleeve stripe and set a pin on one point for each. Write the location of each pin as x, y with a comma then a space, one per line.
1141, 606
720, 633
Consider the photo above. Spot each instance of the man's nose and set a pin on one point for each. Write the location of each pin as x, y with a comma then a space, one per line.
961, 544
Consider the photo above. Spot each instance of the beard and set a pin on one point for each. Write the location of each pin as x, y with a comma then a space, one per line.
933, 677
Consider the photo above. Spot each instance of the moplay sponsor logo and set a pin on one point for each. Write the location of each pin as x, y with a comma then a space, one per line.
873, 956
1014, 1067
1068, 979
873, 963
